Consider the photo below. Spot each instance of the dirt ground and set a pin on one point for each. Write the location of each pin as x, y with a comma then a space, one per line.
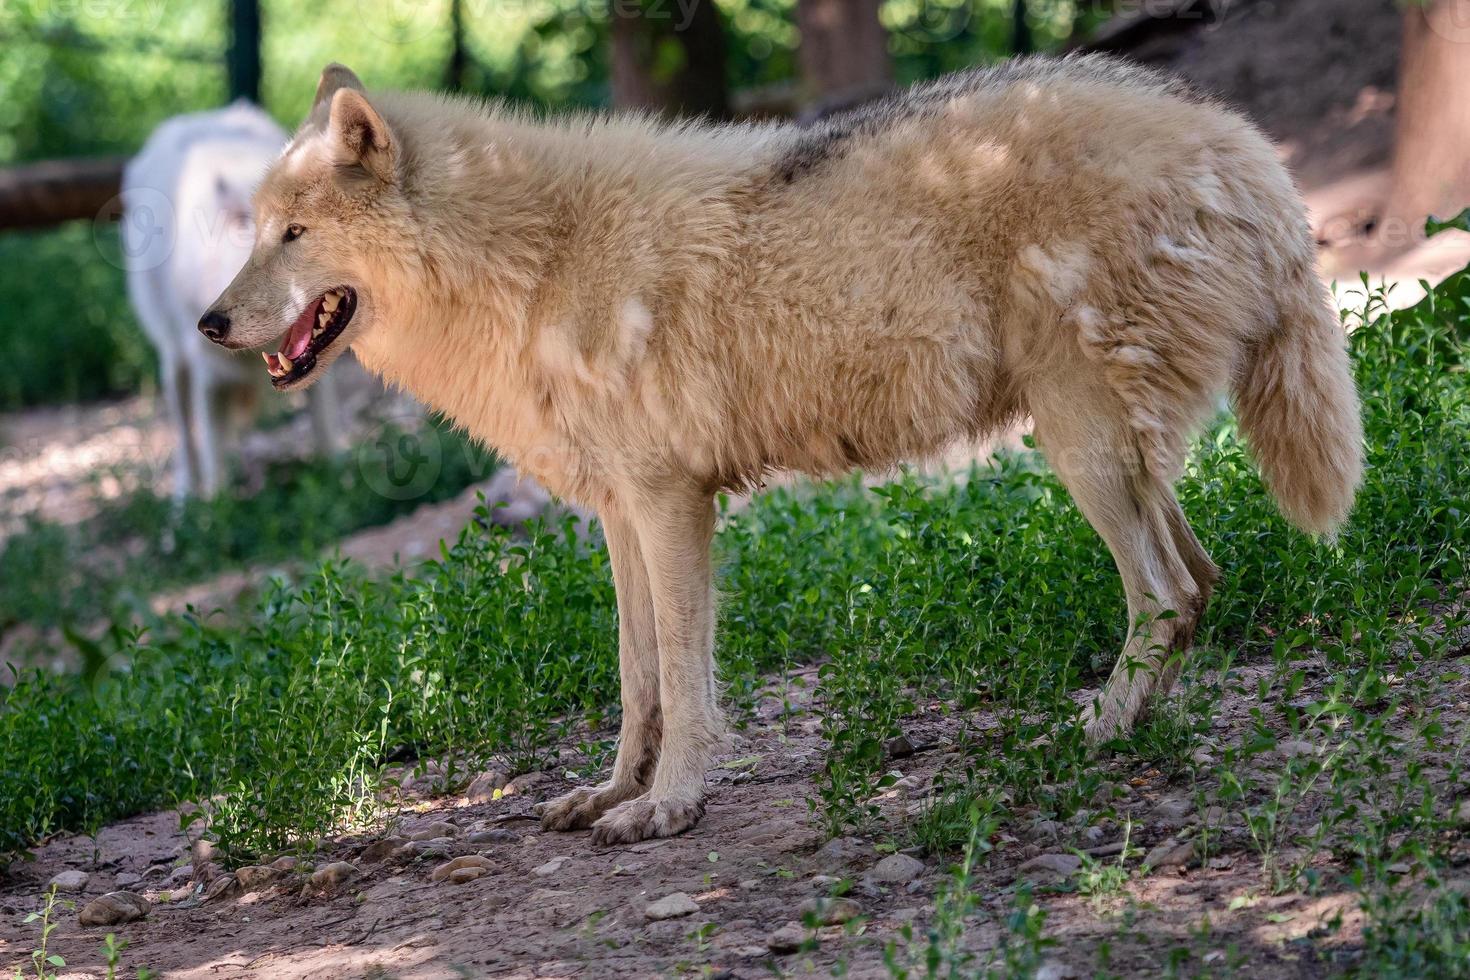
552, 905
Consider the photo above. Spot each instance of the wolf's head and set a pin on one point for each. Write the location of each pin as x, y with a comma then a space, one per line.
329, 216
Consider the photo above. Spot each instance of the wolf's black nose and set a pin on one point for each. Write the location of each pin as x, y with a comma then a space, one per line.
215, 326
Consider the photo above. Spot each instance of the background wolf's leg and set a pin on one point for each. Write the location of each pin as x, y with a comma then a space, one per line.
675, 532
1083, 432
639, 739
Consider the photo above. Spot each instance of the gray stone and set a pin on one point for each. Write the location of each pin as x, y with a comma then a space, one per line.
333, 875
673, 906
551, 867
113, 909
495, 835
448, 868
483, 787
434, 831
1169, 853
896, 869
252, 877
787, 939
70, 880
1058, 864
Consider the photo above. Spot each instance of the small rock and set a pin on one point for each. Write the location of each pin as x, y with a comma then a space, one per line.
113, 909
1399, 868
333, 875
644, 847
182, 894
222, 886
482, 788
524, 783
673, 906
127, 878
1169, 853
380, 850
1056, 970
461, 875
896, 868
824, 883
434, 831
181, 874
253, 876
1290, 748
1172, 813
787, 939
842, 851
1108, 792
899, 747
283, 863
1202, 758
1058, 864
70, 880
449, 867
1462, 812
494, 835
551, 867
201, 852
1045, 830
831, 911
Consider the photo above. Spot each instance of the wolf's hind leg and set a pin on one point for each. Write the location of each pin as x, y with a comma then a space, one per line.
675, 531
1084, 434
641, 734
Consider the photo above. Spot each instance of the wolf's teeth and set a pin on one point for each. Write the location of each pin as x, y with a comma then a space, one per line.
322, 319
285, 362
330, 301
267, 358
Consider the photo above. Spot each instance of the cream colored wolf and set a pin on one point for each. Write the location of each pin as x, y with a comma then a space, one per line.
640, 314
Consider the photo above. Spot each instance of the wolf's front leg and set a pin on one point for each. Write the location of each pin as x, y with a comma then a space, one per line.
674, 532
638, 741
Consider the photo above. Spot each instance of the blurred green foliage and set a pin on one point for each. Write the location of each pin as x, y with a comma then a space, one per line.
67, 332
93, 78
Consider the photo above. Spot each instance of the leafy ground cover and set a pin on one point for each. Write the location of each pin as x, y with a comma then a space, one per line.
983, 604
138, 543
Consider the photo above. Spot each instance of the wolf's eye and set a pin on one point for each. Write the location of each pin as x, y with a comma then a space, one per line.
292, 233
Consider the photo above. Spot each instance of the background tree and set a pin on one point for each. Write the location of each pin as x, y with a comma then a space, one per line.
1431, 160
844, 51
669, 57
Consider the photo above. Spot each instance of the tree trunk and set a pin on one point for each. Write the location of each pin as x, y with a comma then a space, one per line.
454, 72
844, 51
244, 61
36, 195
1431, 161
669, 56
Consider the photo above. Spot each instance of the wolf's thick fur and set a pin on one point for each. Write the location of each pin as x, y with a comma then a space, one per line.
640, 314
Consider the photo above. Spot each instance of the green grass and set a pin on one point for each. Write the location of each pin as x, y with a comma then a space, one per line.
991, 593
138, 544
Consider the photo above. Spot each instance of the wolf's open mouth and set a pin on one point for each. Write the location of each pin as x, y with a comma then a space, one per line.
312, 333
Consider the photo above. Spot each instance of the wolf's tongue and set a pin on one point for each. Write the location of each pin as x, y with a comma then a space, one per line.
300, 333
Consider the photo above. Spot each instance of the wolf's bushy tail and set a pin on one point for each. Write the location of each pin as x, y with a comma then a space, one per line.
1298, 407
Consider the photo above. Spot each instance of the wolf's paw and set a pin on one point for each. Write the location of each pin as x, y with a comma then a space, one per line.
579, 808
1101, 726
643, 818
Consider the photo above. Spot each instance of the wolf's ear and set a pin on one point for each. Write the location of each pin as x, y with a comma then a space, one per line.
360, 135
335, 76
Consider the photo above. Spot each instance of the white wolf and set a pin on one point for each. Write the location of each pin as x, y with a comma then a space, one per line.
186, 230
639, 314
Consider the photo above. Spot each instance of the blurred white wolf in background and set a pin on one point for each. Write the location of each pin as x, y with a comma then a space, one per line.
186, 230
